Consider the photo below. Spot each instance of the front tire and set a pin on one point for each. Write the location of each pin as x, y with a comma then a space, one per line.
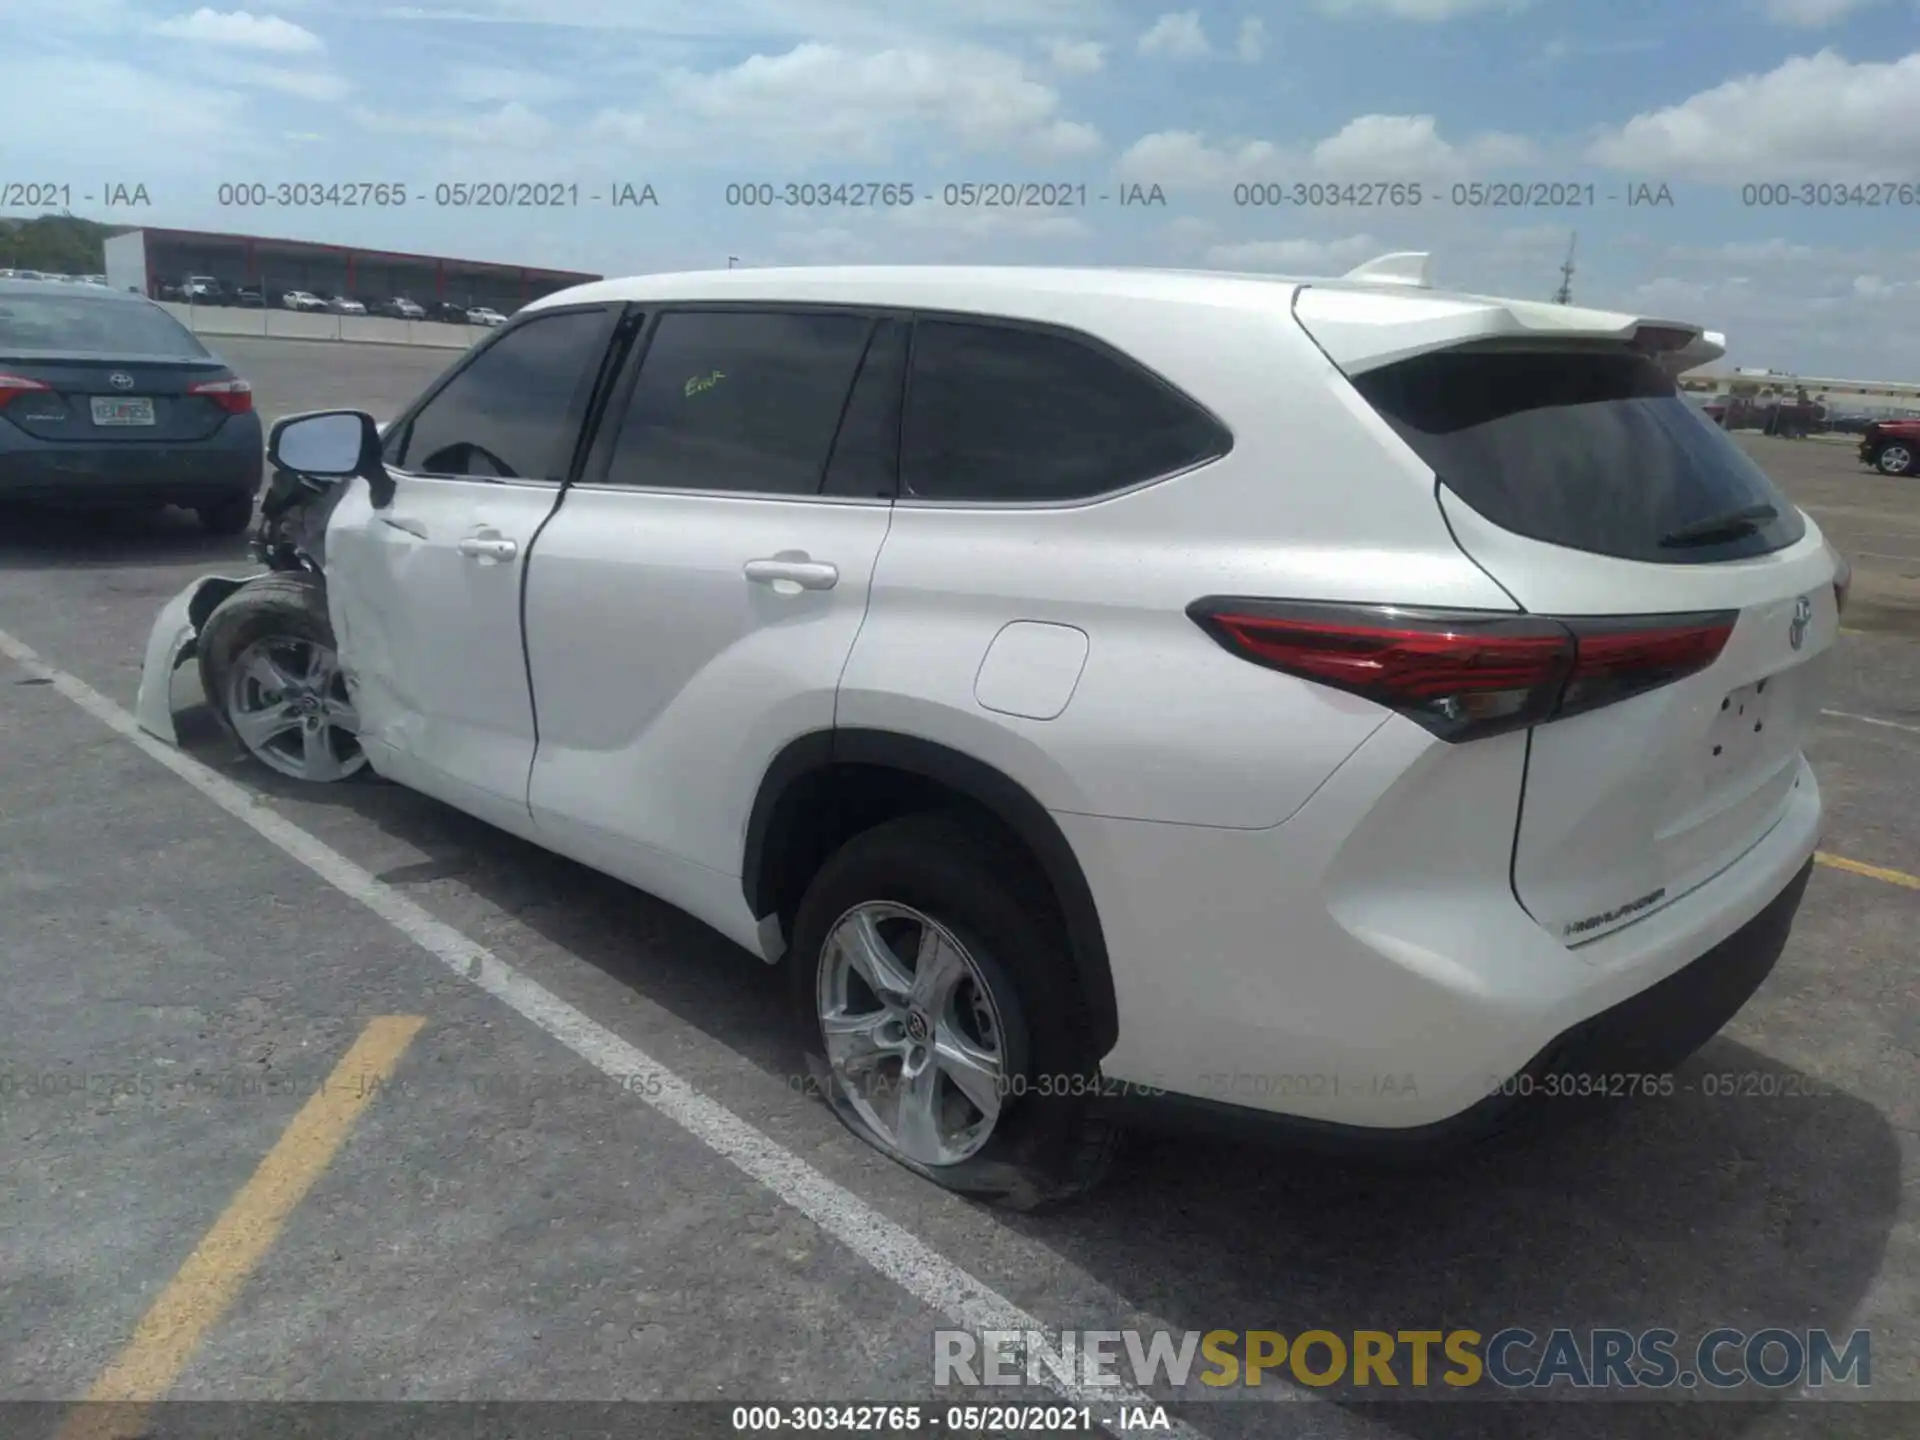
270, 667
1896, 457
940, 1015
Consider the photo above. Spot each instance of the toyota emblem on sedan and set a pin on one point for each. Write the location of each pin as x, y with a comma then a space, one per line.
120, 380
1802, 618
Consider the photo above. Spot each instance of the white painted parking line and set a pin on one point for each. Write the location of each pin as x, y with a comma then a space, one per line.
1872, 720
923, 1272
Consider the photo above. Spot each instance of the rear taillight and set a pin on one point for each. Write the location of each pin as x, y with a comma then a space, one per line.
1467, 673
233, 396
12, 385
1842, 581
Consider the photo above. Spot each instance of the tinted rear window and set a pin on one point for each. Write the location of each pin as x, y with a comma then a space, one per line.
1593, 451
84, 325
1000, 412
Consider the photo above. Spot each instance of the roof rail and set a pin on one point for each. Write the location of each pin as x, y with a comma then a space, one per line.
1403, 267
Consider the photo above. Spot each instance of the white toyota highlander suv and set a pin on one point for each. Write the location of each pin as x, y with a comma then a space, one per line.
1117, 696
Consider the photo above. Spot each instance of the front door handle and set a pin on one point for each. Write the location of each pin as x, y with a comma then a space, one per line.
807, 574
489, 548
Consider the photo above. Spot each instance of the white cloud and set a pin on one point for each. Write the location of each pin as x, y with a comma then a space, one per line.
1077, 57
1184, 159
827, 103
1428, 11
1833, 320
133, 116
823, 21
1747, 252
1407, 147
242, 30
1187, 230
513, 126
1176, 34
960, 223
1410, 146
1296, 256
1813, 14
1251, 43
1816, 117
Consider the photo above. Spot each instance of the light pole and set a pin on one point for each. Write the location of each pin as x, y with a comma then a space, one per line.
732, 260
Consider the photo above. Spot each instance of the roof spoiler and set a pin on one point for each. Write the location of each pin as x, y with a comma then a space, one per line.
1403, 267
1707, 346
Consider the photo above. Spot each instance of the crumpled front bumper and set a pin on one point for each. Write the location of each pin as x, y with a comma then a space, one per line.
171, 644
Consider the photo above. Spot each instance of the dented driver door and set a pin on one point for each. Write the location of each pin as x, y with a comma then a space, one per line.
424, 592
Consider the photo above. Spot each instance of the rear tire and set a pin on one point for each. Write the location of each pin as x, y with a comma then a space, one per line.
1045, 1145
230, 516
270, 667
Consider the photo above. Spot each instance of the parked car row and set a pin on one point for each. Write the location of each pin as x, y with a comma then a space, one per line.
54, 276
208, 290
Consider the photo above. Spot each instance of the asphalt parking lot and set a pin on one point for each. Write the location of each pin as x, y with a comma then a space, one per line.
497, 1219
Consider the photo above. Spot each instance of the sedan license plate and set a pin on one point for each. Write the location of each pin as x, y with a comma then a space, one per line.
122, 410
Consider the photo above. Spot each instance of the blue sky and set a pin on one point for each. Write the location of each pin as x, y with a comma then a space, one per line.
1704, 98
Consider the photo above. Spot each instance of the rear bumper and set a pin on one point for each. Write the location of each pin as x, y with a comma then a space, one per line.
232, 462
1624, 1051
1354, 968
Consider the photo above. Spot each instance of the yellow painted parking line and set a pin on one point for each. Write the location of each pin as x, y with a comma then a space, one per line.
1872, 872
207, 1283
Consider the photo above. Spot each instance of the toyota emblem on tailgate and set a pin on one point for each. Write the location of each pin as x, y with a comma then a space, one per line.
120, 380
1802, 617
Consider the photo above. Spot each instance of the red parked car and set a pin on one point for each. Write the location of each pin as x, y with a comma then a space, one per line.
1892, 447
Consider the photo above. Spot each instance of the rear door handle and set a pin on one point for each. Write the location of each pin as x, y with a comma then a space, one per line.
807, 574
487, 548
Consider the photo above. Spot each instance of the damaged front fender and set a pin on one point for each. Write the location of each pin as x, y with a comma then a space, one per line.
172, 642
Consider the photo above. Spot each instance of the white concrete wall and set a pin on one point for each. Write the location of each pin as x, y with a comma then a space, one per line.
283, 324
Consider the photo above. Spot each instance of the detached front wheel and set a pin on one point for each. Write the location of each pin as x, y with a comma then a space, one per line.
271, 670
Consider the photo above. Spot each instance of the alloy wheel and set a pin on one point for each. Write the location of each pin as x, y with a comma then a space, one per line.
288, 703
913, 1032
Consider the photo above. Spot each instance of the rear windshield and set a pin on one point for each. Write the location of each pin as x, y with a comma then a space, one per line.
1592, 451
81, 324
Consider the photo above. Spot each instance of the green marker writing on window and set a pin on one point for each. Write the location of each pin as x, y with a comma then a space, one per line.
704, 382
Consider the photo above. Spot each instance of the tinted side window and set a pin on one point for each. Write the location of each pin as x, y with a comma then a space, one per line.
1002, 413
506, 415
1595, 452
866, 454
739, 400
